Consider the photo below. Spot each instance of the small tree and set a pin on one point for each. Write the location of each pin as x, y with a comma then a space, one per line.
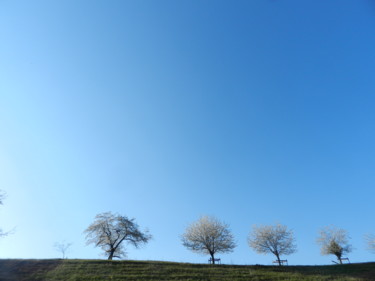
334, 241
62, 247
2, 197
208, 236
370, 242
274, 239
109, 231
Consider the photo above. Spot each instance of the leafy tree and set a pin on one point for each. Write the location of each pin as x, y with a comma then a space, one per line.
334, 241
209, 236
109, 231
274, 239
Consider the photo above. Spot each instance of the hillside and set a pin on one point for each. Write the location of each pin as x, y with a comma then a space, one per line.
86, 270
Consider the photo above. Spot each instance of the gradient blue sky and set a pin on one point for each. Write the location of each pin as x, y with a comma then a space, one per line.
255, 112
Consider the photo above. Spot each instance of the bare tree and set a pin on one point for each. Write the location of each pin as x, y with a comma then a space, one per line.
208, 236
334, 241
274, 239
109, 231
2, 197
62, 247
370, 242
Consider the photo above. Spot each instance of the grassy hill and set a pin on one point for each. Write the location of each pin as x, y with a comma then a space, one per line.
87, 270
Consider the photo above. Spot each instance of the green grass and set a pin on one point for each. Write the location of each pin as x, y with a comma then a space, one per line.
90, 270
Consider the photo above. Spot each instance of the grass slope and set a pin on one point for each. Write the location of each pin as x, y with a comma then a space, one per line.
90, 270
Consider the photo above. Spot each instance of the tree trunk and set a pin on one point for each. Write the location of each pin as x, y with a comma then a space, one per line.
110, 257
278, 259
212, 258
340, 260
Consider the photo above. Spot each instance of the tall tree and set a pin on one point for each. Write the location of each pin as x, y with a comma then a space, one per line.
274, 239
334, 241
110, 231
209, 236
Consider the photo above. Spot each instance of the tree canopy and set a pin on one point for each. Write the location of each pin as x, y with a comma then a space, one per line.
334, 241
275, 239
209, 236
109, 231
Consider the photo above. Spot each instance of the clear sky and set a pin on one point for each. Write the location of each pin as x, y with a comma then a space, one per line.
255, 112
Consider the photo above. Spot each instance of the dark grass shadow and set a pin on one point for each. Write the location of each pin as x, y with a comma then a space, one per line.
26, 270
362, 271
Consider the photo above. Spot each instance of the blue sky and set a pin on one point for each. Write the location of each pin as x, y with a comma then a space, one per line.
256, 112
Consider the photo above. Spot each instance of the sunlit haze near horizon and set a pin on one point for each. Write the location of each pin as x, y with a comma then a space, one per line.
255, 112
